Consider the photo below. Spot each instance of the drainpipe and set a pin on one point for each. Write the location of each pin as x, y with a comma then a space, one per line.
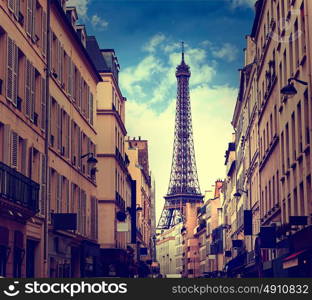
46, 148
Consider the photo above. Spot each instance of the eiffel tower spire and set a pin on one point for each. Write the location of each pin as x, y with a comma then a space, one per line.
183, 185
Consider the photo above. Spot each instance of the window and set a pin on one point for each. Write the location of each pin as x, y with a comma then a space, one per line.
42, 184
30, 20
293, 130
299, 120
12, 71
43, 104
287, 145
296, 40
291, 56
306, 118
303, 31
30, 88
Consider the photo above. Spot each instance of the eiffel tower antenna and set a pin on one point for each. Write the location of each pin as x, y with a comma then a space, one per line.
183, 185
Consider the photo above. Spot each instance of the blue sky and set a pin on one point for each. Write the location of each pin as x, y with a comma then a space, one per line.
146, 36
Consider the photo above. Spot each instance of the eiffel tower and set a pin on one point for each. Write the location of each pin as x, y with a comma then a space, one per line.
183, 185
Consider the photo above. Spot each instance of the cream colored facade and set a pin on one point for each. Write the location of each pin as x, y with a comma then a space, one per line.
72, 89
169, 250
137, 151
273, 137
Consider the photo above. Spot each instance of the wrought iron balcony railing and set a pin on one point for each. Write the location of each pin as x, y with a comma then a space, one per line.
19, 189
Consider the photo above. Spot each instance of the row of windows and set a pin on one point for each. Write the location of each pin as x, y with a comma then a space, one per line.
70, 79
269, 131
66, 197
299, 201
296, 134
270, 194
30, 15
29, 161
25, 88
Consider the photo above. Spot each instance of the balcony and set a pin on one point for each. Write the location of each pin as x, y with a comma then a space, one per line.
122, 162
19, 195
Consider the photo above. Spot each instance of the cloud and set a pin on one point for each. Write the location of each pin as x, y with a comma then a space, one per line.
154, 42
82, 9
151, 83
81, 6
97, 22
227, 52
242, 3
131, 77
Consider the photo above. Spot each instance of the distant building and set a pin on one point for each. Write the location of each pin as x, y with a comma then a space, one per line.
169, 250
137, 151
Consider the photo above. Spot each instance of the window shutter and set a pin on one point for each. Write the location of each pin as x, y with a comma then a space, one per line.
79, 211
59, 127
84, 215
51, 48
14, 149
58, 193
10, 70
30, 162
68, 69
29, 20
11, 5
43, 103
17, 8
49, 194
42, 184
88, 151
44, 32
24, 157
91, 108
32, 92
68, 136
15, 72
28, 89
60, 62
79, 148
33, 19
72, 199
67, 195
6, 144
72, 138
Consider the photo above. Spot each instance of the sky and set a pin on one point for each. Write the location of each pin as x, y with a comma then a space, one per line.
146, 36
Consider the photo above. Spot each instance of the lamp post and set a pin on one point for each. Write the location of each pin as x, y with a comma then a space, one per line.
238, 194
289, 89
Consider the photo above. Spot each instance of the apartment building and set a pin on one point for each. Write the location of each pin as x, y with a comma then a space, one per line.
114, 191
169, 251
284, 128
272, 122
137, 151
43, 160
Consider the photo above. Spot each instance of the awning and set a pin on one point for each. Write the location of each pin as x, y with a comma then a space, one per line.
293, 259
294, 255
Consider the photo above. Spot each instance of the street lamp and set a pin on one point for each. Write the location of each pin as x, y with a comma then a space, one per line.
238, 194
92, 161
289, 89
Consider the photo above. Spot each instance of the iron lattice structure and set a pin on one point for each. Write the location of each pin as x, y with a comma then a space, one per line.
183, 186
